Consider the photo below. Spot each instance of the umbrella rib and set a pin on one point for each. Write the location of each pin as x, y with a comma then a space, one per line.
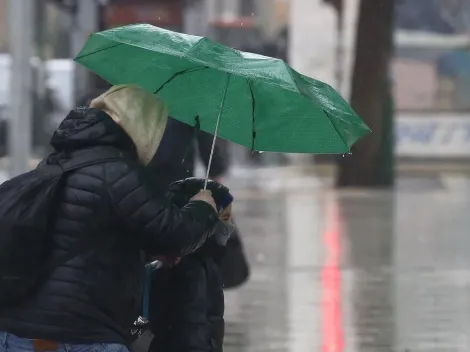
336, 129
189, 70
253, 129
97, 51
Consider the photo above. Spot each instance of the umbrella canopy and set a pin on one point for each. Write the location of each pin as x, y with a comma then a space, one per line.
260, 102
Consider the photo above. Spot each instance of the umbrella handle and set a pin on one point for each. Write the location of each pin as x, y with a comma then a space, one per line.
216, 132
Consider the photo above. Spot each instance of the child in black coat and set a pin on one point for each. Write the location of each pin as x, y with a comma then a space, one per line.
187, 299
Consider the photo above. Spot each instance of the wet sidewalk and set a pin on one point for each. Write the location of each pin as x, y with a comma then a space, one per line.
352, 271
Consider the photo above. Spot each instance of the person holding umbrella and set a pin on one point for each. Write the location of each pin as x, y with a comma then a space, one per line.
252, 100
106, 213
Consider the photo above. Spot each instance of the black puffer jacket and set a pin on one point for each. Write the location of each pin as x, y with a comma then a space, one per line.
187, 306
96, 296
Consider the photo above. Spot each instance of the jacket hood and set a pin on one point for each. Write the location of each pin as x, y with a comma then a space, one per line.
143, 116
85, 127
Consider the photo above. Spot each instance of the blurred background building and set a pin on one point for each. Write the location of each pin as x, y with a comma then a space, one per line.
430, 71
432, 80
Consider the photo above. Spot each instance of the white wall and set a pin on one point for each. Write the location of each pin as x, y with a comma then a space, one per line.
350, 26
312, 39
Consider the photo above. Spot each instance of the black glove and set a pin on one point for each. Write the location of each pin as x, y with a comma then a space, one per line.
180, 192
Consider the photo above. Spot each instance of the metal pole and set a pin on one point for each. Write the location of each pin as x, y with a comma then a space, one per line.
21, 35
41, 114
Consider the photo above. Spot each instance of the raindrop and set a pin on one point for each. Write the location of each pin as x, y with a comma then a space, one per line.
342, 155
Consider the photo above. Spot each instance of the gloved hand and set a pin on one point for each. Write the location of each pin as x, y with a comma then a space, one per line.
181, 192
205, 196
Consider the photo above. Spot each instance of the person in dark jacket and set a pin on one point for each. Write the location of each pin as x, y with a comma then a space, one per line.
90, 302
176, 158
187, 300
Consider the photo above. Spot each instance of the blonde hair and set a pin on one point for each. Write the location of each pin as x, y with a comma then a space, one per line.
142, 115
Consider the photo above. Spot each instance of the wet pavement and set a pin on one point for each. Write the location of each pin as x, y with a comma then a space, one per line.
351, 271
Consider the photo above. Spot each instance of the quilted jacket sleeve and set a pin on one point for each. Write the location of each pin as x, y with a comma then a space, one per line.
160, 227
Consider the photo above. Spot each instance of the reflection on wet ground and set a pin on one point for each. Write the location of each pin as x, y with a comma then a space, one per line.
352, 271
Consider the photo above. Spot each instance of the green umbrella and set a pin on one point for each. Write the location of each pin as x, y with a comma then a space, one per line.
253, 100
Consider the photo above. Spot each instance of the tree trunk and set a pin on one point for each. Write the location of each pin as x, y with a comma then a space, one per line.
369, 98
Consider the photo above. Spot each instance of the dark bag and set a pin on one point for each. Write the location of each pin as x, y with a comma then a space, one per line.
27, 207
234, 267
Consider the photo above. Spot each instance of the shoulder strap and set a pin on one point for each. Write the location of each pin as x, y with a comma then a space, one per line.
89, 157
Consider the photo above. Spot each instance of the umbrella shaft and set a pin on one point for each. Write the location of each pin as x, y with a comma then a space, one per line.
216, 132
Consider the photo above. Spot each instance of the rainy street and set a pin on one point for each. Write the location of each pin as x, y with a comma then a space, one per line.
354, 270
347, 271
